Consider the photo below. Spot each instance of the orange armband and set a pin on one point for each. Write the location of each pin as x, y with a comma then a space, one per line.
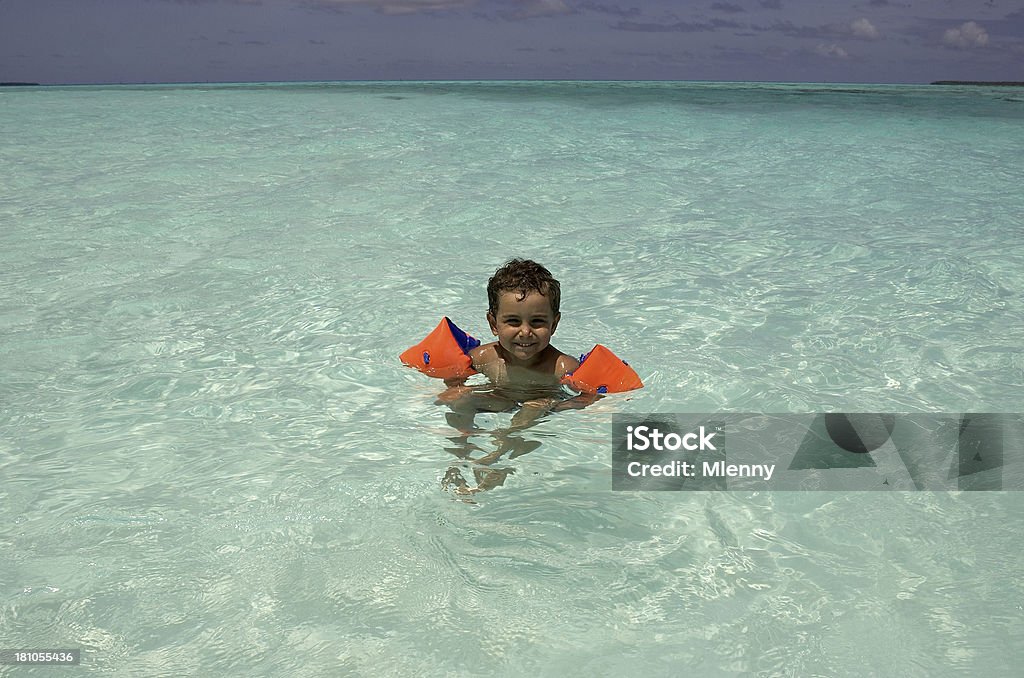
444, 353
601, 371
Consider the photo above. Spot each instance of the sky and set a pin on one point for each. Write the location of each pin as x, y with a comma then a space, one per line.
861, 41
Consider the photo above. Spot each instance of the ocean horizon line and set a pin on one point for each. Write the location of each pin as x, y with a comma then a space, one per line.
499, 80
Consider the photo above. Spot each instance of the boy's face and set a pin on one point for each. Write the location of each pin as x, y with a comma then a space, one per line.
523, 327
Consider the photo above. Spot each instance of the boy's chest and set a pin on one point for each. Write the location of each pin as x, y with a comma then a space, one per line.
540, 375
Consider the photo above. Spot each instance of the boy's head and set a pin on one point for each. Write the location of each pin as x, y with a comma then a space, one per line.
523, 300
523, 276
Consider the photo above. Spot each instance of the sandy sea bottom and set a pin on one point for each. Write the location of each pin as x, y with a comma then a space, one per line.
213, 462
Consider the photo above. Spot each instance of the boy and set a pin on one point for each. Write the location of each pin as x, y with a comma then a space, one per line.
522, 365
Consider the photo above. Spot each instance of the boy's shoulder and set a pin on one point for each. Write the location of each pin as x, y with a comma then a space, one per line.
487, 360
565, 364
484, 354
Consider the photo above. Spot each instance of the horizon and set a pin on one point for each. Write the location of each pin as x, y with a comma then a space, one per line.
935, 83
871, 42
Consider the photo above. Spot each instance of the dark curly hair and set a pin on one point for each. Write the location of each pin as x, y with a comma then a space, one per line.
523, 276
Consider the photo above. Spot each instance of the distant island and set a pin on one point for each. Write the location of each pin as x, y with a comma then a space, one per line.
19, 84
978, 82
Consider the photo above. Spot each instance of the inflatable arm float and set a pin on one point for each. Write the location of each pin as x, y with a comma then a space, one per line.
444, 354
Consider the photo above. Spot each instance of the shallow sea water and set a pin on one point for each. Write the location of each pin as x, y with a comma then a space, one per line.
212, 462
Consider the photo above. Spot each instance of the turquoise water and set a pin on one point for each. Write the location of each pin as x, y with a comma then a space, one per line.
213, 463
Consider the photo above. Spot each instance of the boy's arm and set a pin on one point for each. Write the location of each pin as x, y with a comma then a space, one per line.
577, 403
529, 412
565, 365
456, 387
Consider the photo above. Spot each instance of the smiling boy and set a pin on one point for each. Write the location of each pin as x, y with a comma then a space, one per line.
522, 365
524, 369
523, 299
